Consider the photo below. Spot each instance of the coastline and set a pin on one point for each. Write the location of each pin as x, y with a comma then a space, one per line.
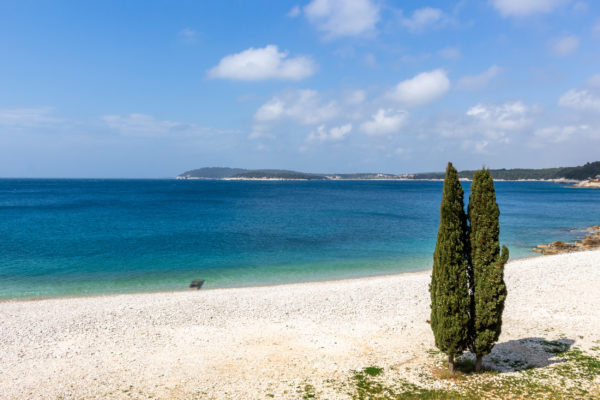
186, 289
255, 341
265, 179
261, 286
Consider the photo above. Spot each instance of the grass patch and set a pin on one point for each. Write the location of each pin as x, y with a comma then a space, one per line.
367, 385
373, 371
308, 392
554, 347
520, 365
576, 376
584, 365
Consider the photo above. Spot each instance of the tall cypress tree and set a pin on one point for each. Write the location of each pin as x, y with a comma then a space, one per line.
449, 287
487, 266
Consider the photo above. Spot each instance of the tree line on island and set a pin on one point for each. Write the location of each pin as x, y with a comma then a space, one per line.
467, 283
579, 173
587, 171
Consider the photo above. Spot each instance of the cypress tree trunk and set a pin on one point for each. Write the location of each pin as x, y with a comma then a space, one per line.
487, 266
449, 288
451, 364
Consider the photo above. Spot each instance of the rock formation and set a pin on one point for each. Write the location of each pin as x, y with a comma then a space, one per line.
590, 241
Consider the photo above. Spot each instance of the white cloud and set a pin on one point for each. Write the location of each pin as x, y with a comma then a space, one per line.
27, 117
496, 120
524, 8
337, 18
356, 97
271, 110
564, 46
486, 124
583, 100
294, 12
559, 133
478, 146
144, 125
263, 63
422, 19
479, 81
334, 134
450, 53
384, 122
421, 89
302, 106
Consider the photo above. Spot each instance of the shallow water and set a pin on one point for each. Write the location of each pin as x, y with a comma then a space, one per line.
80, 237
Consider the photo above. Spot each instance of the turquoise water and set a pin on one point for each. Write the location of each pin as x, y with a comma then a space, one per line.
82, 237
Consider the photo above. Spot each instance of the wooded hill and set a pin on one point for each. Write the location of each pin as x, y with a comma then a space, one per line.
237, 173
587, 171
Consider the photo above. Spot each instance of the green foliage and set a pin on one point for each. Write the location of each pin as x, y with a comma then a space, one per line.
366, 386
213, 172
586, 171
589, 170
278, 174
222, 173
308, 392
373, 371
572, 375
449, 285
487, 264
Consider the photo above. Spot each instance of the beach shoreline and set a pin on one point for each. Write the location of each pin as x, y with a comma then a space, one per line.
186, 289
254, 341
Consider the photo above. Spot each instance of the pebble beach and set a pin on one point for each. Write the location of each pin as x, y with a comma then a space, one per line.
260, 342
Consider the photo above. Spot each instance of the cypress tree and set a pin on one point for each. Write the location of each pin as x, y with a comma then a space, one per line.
487, 266
449, 287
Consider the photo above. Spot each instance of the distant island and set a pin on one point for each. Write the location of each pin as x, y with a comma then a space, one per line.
589, 172
280, 174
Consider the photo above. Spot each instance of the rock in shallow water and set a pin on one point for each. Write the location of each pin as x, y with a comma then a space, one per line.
197, 283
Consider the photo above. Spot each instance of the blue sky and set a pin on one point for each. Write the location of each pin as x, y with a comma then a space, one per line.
154, 88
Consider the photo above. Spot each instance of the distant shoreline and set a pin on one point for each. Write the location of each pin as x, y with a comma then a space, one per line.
560, 174
559, 181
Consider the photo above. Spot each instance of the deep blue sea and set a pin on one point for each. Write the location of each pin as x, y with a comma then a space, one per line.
84, 237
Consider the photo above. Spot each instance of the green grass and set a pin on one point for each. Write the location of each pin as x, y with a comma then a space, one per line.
308, 392
365, 385
573, 374
554, 347
373, 371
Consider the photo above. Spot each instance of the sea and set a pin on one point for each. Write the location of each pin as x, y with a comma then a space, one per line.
64, 237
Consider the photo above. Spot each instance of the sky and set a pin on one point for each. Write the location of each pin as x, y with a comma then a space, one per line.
150, 89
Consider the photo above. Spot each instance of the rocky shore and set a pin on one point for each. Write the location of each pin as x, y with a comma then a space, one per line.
589, 242
592, 183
